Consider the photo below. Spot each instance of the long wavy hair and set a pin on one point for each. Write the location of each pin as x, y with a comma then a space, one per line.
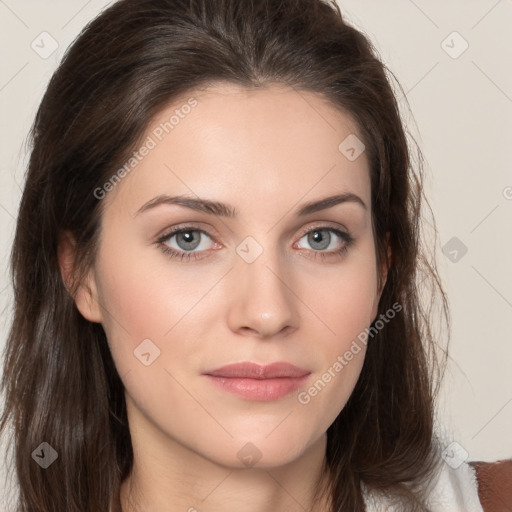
59, 380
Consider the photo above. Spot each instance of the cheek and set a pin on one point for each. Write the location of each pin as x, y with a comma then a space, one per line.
343, 297
345, 305
145, 297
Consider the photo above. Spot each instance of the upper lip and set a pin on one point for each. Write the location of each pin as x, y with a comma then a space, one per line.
256, 371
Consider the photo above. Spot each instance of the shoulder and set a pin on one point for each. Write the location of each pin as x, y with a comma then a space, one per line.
455, 489
494, 485
469, 487
449, 490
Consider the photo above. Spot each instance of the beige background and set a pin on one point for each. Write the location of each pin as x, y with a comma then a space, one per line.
462, 107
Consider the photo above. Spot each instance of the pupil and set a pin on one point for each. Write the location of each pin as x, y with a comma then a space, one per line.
318, 237
188, 240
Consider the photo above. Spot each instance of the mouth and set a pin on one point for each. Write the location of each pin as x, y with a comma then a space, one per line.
255, 382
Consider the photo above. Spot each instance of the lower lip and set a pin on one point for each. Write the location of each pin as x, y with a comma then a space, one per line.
264, 390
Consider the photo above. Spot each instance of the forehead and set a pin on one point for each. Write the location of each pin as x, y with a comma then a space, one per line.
271, 143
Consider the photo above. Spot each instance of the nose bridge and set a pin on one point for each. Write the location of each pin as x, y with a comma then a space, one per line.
262, 299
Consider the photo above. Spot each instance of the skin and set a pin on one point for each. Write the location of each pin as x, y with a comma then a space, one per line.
265, 153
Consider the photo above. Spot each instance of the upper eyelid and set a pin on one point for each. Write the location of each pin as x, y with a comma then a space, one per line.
326, 227
191, 227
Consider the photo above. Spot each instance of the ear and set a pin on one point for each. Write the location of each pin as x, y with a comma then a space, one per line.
385, 265
86, 296
383, 274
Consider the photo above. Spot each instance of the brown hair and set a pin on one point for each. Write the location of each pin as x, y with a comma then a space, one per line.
60, 382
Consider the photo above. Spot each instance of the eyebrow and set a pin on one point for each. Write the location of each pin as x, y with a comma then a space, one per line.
225, 210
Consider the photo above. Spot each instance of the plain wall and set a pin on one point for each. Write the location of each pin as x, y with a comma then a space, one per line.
462, 107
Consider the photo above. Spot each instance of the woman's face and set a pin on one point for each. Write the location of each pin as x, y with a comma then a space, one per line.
257, 280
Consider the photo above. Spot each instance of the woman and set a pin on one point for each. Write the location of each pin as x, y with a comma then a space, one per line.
216, 270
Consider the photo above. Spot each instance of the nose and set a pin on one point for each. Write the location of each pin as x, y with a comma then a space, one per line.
262, 302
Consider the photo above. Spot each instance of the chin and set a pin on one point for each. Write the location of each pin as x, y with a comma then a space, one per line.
261, 451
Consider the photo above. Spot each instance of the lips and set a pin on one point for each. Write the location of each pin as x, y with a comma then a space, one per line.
252, 381
255, 371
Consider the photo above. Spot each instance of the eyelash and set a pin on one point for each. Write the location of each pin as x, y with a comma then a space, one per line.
190, 255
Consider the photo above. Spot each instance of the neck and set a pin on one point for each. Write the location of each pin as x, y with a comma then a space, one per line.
168, 476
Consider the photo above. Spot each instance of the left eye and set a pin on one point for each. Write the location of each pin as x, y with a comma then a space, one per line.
189, 240
324, 239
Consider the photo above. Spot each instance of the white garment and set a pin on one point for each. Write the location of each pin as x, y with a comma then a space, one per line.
454, 490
